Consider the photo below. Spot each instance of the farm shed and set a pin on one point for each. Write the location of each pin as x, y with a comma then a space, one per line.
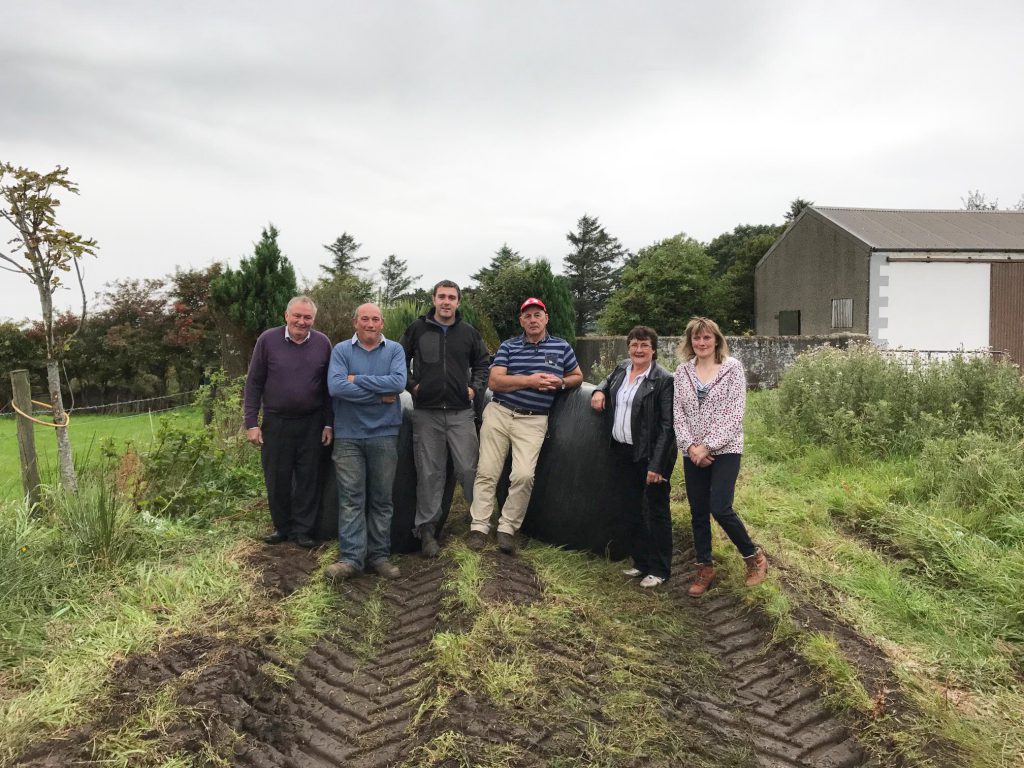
909, 279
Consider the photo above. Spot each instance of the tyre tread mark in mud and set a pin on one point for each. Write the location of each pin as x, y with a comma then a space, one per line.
781, 717
343, 708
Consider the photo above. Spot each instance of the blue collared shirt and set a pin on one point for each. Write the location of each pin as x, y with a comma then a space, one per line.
521, 358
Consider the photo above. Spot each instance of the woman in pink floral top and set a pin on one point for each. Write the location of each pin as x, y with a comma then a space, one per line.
710, 397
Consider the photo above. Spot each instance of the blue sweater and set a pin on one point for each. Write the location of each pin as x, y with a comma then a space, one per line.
358, 410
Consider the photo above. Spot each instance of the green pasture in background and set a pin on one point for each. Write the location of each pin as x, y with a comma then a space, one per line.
88, 435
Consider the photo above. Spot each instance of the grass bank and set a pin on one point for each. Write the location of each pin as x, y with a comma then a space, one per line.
915, 540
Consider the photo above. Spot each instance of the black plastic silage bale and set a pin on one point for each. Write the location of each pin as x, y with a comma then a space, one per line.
580, 490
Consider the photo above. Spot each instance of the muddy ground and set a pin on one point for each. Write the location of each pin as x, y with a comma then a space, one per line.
354, 705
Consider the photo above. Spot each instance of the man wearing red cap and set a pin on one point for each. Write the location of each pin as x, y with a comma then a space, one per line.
527, 372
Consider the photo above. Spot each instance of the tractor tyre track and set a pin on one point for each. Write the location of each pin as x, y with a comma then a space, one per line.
775, 707
353, 699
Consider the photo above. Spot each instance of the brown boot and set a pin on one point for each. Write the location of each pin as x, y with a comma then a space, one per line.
757, 568
701, 584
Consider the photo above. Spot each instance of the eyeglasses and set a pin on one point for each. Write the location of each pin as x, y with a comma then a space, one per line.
640, 345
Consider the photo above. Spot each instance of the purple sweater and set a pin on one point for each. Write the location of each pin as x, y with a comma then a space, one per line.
288, 379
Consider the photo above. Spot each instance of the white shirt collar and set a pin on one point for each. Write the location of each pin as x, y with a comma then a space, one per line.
642, 375
288, 336
355, 340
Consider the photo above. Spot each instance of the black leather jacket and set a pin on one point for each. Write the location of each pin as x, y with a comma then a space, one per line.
654, 439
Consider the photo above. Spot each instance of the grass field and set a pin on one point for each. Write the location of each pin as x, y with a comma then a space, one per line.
916, 556
88, 435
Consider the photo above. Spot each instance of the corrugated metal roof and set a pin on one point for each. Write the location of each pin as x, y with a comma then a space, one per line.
914, 230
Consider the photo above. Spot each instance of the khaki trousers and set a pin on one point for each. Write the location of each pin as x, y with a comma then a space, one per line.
502, 430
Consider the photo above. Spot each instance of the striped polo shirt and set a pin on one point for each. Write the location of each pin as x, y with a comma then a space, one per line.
549, 355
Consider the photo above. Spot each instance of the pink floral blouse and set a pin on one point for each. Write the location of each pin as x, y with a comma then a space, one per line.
718, 421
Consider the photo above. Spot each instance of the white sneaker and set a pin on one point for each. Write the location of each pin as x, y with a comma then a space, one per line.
632, 572
651, 581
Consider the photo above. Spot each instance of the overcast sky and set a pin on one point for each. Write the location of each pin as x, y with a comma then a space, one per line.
438, 131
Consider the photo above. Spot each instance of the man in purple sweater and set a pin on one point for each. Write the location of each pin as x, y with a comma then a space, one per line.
288, 378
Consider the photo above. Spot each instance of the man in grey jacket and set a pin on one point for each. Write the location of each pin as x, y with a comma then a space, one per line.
448, 362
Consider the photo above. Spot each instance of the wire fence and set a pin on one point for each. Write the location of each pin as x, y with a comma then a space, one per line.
121, 408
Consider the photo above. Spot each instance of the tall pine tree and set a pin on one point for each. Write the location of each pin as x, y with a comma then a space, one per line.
343, 257
253, 297
592, 269
395, 279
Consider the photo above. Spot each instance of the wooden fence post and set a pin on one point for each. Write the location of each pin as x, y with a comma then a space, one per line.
26, 436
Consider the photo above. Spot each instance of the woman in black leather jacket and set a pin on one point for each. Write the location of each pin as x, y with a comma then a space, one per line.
637, 401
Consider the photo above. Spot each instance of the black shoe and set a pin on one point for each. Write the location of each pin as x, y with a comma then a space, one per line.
506, 543
428, 544
476, 540
275, 538
304, 540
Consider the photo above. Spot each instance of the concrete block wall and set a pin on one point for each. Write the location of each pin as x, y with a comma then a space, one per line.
764, 358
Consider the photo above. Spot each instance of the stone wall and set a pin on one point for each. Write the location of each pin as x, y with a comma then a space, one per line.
764, 357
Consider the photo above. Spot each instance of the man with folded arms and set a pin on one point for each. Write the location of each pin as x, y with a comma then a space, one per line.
365, 377
288, 378
527, 372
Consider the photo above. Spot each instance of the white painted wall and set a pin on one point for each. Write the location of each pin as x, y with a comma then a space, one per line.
930, 305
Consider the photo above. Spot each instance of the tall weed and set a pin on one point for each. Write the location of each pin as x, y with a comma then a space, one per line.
861, 402
190, 473
95, 524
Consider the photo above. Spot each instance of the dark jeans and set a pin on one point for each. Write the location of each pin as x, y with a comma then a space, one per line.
649, 522
291, 456
709, 491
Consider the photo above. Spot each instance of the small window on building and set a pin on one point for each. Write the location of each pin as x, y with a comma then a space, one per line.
789, 322
842, 313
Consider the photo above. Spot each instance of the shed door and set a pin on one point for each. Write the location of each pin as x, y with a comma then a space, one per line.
789, 322
1006, 315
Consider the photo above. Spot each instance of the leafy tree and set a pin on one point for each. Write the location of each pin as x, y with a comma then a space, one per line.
192, 340
592, 269
735, 255
976, 201
28, 202
666, 284
556, 293
252, 298
344, 261
17, 350
502, 258
343, 288
135, 350
508, 287
395, 280
795, 207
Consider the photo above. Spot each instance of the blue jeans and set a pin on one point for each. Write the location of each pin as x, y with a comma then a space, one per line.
365, 469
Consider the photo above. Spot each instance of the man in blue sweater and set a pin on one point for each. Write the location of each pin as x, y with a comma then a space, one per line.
365, 377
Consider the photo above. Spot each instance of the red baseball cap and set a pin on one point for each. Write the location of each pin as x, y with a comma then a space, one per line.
533, 301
